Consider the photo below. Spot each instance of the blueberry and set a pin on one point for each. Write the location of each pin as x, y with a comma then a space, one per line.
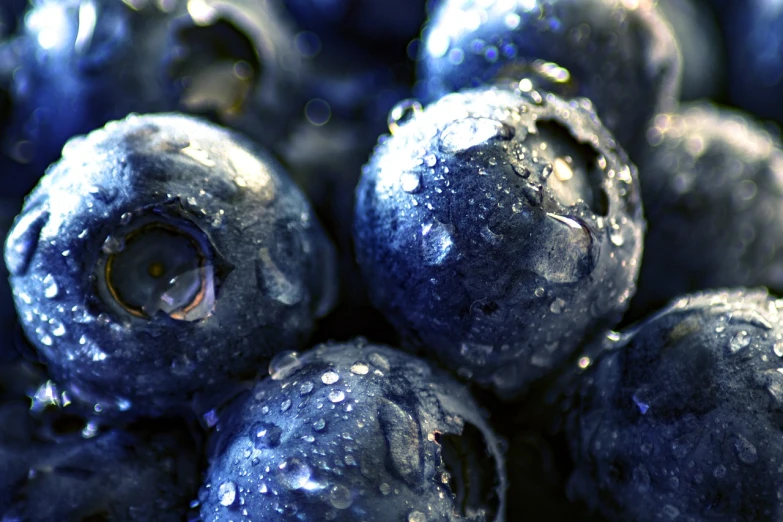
698, 35
164, 257
84, 63
119, 475
354, 432
712, 186
680, 417
621, 55
498, 228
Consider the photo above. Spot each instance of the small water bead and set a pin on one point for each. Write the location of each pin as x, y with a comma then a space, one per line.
294, 474
746, 451
340, 497
227, 493
739, 341
50, 287
284, 364
402, 113
671, 511
557, 306
306, 387
330, 378
336, 396
113, 245
58, 328
360, 369
416, 516
319, 425
286, 405
379, 361
410, 181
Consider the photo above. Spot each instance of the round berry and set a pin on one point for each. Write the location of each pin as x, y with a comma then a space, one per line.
621, 55
86, 62
164, 257
679, 417
354, 432
712, 187
497, 229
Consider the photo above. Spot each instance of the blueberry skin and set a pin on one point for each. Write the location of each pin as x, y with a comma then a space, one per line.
698, 35
476, 246
680, 416
265, 269
624, 59
712, 184
354, 432
118, 476
86, 63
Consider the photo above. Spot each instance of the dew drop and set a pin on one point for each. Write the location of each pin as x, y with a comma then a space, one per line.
671, 511
284, 364
534, 195
410, 181
330, 378
521, 171
778, 348
319, 425
286, 405
739, 341
227, 493
294, 474
305, 388
50, 287
402, 113
113, 245
360, 369
379, 361
336, 396
430, 160
58, 328
464, 134
557, 306
265, 435
746, 451
416, 516
340, 497
436, 243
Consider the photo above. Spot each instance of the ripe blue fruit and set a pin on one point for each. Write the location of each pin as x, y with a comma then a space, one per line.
497, 229
679, 417
712, 185
84, 63
122, 475
164, 257
621, 55
353, 432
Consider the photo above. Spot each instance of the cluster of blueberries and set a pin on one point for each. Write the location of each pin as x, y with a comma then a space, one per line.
548, 294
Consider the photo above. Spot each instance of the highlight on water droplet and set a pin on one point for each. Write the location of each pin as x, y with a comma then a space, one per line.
403, 113
284, 364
